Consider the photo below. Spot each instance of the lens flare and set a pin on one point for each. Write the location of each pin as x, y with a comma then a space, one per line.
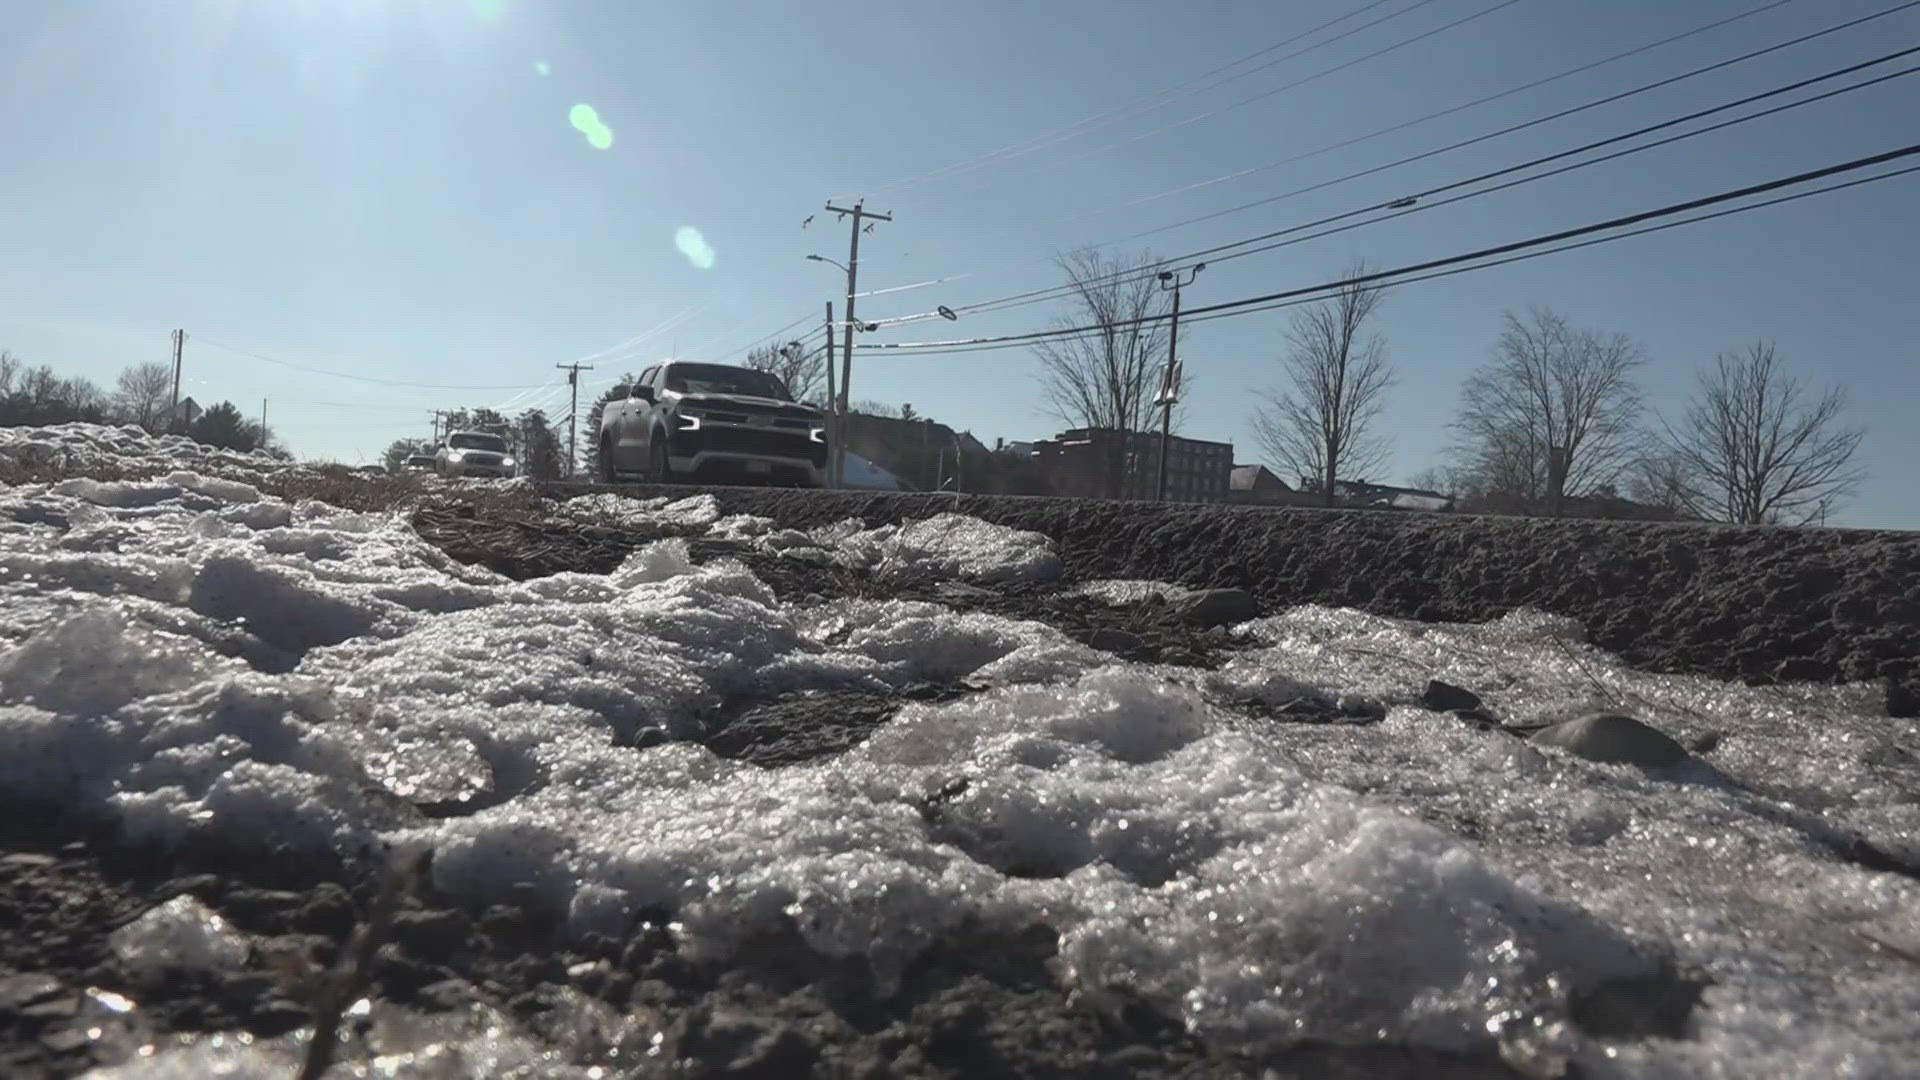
487, 10
694, 247
587, 121
541, 69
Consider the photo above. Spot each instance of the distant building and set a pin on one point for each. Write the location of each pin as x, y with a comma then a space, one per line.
1076, 463
921, 453
185, 413
1256, 485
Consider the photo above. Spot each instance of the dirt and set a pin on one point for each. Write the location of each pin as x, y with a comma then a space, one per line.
1760, 605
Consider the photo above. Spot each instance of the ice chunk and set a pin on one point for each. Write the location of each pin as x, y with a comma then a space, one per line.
227, 491
921, 642
181, 933
959, 546
1127, 715
397, 1044
282, 606
119, 493
695, 511
949, 546
1121, 592
657, 561
98, 661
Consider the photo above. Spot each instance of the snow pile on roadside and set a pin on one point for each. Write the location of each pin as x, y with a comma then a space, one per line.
85, 446
191, 657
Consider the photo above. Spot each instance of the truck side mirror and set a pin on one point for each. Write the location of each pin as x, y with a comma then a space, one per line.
642, 392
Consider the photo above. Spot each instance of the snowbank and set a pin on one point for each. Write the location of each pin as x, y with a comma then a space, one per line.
187, 655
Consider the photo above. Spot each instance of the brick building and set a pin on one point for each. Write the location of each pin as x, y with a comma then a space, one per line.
1076, 463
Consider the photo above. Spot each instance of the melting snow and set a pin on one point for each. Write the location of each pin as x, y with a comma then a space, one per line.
187, 654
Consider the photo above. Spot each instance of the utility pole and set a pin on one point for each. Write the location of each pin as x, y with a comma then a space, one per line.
179, 346
834, 432
846, 350
437, 414
573, 380
263, 422
1170, 386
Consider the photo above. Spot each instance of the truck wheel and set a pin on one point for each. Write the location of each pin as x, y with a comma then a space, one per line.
658, 469
603, 463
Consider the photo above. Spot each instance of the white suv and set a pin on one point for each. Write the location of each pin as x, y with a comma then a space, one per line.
473, 453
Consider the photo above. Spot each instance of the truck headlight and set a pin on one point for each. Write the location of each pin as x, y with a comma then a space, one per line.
689, 421
507, 461
818, 434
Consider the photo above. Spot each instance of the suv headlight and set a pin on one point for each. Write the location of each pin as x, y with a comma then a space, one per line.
507, 461
456, 455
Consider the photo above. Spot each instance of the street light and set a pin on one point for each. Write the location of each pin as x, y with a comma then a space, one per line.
824, 259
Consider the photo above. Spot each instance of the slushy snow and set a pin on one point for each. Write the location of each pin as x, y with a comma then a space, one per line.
185, 654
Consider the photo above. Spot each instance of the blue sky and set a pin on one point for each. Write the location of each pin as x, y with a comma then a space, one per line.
393, 189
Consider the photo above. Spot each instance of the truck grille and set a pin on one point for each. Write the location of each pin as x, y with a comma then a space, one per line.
771, 442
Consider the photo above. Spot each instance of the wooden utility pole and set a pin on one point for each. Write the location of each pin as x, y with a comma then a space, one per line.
263, 422
437, 414
179, 346
857, 212
1170, 386
834, 428
573, 380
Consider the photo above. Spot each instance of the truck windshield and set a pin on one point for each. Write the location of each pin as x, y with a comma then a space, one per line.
469, 441
720, 379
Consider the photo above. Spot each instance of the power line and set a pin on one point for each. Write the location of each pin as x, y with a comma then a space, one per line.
1510, 129
1524, 256
1415, 268
1417, 201
1595, 241
1316, 76
775, 334
1061, 290
1401, 126
359, 378
1149, 101
1592, 242
1462, 107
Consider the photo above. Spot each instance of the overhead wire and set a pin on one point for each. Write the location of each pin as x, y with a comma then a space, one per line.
1537, 121
236, 350
1061, 290
1451, 110
1432, 264
1316, 76
1522, 257
1148, 101
1419, 201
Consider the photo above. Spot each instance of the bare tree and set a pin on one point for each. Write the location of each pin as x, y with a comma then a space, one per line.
1755, 448
870, 407
803, 370
9, 370
1443, 478
143, 392
1552, 391
1108, 378
1320, 428
1660, 478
